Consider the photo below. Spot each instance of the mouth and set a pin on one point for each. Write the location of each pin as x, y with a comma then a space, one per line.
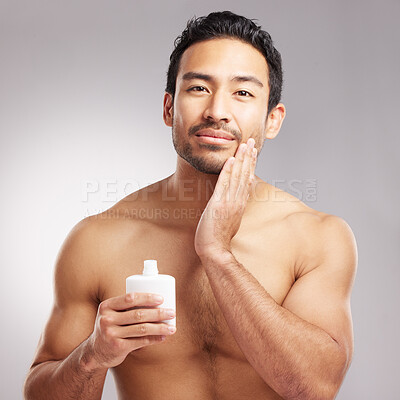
213, 136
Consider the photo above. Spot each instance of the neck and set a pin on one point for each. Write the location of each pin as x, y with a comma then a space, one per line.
192, 189
190, 186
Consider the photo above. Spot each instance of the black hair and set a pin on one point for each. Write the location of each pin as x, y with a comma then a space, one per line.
226, 24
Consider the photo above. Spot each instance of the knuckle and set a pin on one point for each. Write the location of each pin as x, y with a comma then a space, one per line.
103, 307
139, 315
143, 329
130, 297
235, 178
108, 332
104, 322
148, 297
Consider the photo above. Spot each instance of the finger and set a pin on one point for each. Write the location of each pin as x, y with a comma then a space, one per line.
131, 300
254, 157
237, 171
138, 343
222, 184
140, 330
142, 315
247, 172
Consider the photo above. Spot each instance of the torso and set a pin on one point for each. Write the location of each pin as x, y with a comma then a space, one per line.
202, 359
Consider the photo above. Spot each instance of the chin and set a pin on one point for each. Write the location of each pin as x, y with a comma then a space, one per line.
205, 165
208, 169
210, 162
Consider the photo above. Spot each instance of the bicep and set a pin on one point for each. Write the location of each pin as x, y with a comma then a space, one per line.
67, 327
74, 311
322, 296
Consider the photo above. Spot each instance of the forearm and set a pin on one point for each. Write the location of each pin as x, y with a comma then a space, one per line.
297, 359
75, 377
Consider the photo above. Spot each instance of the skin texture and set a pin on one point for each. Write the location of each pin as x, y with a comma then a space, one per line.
263, 281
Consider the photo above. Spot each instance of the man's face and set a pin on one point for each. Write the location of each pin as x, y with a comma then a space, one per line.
221, 100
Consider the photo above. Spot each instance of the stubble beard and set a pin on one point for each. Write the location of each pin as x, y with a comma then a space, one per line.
206, 165
211, 165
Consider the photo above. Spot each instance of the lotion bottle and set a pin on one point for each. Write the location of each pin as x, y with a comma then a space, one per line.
153, 282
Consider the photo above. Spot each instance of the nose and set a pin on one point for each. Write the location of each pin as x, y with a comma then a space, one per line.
217, 108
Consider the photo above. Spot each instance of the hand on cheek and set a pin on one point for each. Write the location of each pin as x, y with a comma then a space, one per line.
222, 216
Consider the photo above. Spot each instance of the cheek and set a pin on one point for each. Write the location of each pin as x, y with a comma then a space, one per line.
178, 115
251, 119
187, 112
252, 123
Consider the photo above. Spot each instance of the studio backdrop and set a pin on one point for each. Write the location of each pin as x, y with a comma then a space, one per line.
81, 88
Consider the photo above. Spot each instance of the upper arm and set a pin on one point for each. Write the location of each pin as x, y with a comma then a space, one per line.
321, 296
74, 309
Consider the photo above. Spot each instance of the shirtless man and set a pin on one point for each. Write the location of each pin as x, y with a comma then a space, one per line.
263, 281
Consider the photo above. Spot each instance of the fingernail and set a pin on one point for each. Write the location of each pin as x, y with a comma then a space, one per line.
172, 329
171, 313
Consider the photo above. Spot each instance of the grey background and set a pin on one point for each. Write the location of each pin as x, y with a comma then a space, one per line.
81, 86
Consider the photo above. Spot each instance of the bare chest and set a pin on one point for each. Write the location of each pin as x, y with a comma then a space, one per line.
201, 327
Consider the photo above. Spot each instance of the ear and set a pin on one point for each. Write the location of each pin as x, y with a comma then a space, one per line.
168, 109
274, 121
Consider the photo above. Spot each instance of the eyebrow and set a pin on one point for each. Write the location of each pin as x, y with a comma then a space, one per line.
208, 78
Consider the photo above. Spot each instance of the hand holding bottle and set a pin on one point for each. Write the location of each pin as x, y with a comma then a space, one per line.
121, 327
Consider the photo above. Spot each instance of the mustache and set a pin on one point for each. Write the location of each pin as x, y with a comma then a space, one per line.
212, 125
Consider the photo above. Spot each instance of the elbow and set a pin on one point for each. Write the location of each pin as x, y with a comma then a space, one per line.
328, 392
315, 389
27, 387
330, 377
318, 392
327, 389
324, 387
30, 387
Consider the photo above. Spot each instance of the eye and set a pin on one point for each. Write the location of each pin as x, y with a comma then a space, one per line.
244, 93
197, 89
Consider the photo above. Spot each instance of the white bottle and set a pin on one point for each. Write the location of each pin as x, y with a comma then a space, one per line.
153, 282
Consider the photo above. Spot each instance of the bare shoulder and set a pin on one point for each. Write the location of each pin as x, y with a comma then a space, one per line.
79, 261
97, 239
317, 238
86, 252
324, 239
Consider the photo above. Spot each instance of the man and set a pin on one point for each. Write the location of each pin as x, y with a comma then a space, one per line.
263, 281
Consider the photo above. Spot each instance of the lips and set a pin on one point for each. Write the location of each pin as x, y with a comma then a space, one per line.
215, 134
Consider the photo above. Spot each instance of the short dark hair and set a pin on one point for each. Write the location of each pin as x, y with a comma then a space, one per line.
226, 24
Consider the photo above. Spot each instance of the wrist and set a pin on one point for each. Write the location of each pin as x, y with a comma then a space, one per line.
88, 361
218, 256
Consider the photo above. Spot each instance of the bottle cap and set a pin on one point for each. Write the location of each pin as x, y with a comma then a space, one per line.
150, 267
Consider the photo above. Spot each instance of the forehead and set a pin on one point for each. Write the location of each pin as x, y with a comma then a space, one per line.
223, 58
